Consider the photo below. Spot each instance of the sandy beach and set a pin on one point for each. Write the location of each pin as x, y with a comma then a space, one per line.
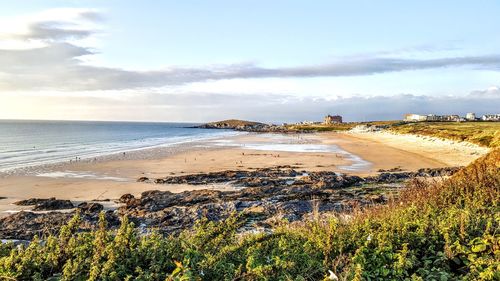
351, 153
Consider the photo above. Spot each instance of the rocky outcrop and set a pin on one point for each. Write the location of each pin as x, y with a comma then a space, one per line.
249, 126
25, 225
46, 204
286, 175
125, 198
386, 177
263, 197
234, 125
90, 208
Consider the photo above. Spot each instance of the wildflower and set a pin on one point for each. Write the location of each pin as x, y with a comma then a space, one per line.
332, 276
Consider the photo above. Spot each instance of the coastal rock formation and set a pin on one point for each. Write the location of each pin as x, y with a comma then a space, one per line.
263, 197
233, 124
249, 126
25, 225
125, 198
46, 204
286, 175
90, 208
386, 177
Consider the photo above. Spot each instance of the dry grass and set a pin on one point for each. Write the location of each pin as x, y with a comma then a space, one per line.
482, 133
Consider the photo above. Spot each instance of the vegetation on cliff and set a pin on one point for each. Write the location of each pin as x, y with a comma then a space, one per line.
231, 124
436, 231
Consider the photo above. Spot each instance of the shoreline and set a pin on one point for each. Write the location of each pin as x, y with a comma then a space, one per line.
144, 153
361, 154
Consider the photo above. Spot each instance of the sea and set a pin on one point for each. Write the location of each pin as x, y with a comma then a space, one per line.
32, 143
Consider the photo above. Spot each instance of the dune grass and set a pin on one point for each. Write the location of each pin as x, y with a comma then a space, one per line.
447, 230
482, 133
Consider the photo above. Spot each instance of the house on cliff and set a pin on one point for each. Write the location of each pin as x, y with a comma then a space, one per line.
335, 119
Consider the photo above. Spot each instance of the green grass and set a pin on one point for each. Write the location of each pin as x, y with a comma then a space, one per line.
322, 127
436, 231
482, 133
338, 127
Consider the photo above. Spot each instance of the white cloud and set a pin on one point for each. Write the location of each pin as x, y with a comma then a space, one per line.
199, 106
45, 73
56, 61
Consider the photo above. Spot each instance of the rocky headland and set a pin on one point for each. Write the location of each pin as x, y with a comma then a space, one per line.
249, 126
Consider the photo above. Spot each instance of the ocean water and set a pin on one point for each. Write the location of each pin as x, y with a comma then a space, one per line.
30, 143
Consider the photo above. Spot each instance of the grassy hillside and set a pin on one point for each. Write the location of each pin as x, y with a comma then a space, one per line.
321, 127
481, 133
445, 231
337, 127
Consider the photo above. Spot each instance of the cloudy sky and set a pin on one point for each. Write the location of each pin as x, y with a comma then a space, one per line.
273, 61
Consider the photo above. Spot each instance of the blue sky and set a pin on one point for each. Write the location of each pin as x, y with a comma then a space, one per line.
160, 57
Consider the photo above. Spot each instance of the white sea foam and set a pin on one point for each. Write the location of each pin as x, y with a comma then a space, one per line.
79, 175
34, 143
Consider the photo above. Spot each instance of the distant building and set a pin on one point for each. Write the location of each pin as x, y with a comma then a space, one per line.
471, 116
451, 118
491, 117
414, 117
335, 119
433, 117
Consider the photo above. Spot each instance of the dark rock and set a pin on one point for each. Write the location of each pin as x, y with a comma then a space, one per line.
438, 172
266, 195
48, 204
143, 179
90, 208
125, 198
32, 201
395, 169
25, 225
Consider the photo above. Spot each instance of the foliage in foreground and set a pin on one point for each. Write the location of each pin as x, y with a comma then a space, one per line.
447, 231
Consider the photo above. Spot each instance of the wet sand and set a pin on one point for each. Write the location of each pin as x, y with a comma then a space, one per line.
360, 154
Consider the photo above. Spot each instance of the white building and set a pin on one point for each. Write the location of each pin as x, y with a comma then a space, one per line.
470, 116
491, 117
415, 117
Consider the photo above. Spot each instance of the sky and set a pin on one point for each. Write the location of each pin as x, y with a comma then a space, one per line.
272, 61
